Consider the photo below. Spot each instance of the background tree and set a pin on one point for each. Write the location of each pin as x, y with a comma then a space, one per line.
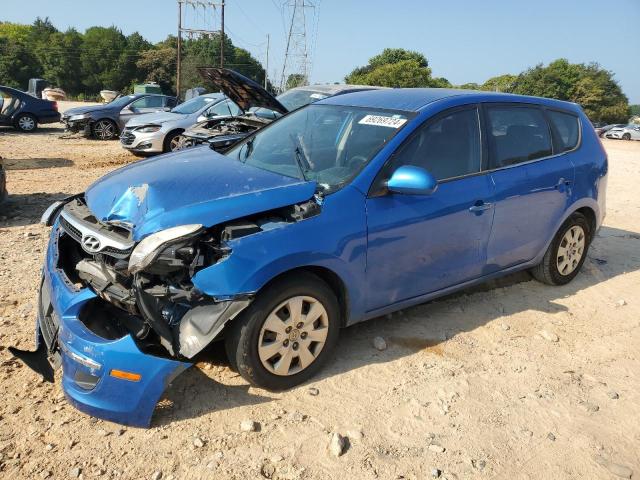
295, 80
589, 85
502, 83
396, 67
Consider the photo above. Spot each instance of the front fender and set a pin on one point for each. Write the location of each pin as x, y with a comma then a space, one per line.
335, 239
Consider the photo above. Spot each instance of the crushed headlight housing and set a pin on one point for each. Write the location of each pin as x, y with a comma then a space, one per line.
50, 214
82, 116
149, 129
149, 248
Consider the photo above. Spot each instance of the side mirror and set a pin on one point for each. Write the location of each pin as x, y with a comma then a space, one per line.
412, 180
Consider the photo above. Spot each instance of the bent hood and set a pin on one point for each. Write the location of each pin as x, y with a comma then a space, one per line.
88, 109
194, 186
241, 90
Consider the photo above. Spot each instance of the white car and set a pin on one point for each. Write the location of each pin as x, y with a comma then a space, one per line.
627, 132
161, 132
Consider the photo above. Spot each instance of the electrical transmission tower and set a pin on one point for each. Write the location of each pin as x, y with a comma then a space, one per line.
203, 13
297, 59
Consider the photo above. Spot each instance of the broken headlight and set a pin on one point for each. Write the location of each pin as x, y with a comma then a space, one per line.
150, 247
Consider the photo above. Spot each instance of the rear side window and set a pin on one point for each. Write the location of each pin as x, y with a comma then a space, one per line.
517, 134
447, 148
567, 129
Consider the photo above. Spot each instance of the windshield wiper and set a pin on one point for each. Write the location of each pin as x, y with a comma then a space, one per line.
249, 147
300, 156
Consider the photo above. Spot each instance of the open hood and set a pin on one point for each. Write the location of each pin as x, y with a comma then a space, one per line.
244, 92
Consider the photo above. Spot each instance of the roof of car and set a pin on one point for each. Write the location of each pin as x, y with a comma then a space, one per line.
415, 99
332, 89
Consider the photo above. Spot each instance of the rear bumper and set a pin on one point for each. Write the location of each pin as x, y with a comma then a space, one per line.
88, 359
49, 118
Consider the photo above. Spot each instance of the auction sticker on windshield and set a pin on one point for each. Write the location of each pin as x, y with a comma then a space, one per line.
383, 121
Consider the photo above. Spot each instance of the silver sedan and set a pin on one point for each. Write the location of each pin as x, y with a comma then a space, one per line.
161, 132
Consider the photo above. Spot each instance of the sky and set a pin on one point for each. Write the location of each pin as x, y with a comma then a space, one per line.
464, 40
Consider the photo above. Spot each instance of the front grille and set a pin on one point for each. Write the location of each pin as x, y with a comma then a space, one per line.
71, 230
80, 225
127, 138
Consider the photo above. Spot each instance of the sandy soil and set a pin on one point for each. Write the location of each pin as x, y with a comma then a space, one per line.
472, 385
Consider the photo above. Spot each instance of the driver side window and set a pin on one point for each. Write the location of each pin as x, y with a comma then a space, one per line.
448, 147
224, 108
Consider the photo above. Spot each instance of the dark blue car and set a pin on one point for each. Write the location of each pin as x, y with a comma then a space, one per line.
24, 112
342, 211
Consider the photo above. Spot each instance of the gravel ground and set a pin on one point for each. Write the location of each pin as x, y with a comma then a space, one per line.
511, 380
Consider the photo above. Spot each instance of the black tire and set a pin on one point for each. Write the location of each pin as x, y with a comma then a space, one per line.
104, 129
547, 271
166, 146
27, 123
243, 337
626, 136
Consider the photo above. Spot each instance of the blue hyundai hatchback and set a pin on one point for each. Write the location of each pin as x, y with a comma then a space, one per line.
339, 212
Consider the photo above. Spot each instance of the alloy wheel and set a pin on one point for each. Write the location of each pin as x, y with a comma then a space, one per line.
26, 123
176, 143
570, 250
293, 335
104, 130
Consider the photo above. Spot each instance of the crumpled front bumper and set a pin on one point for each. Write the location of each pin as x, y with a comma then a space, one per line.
88, 360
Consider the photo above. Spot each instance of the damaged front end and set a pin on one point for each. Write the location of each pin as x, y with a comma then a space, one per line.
149, 282
123, 317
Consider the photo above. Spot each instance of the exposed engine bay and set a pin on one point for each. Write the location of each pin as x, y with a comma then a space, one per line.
223, 133
155, 300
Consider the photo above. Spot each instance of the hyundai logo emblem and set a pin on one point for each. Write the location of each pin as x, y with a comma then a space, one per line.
91, 244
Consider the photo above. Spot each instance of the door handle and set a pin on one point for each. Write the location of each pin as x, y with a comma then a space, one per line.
480, 206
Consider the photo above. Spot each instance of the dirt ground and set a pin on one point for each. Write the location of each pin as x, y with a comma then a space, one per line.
514, 380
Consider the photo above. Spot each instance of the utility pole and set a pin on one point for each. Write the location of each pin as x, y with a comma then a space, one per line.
296, 57
266, 68
179, 62
222, 36
199, 8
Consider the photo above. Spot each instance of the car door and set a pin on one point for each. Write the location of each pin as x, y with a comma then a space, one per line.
8, 106
419, 244
532, 185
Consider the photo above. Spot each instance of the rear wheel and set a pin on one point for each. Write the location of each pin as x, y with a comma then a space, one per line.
567, 252
626, 136
105, 129
26, 123
285, 336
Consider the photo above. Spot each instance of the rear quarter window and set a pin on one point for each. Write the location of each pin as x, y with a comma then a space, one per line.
517, 134
567, 129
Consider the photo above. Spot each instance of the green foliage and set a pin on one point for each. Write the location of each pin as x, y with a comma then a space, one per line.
396, 67
635, 109
501, 83
103, 58
295, 80
589, 85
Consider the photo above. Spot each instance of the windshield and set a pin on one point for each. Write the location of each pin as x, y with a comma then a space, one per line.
193, 105
294, 99
122, 101
326, 143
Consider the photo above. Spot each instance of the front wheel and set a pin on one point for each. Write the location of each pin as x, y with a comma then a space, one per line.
105, 130
26, 123
285, 336
173, 142
567, 252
